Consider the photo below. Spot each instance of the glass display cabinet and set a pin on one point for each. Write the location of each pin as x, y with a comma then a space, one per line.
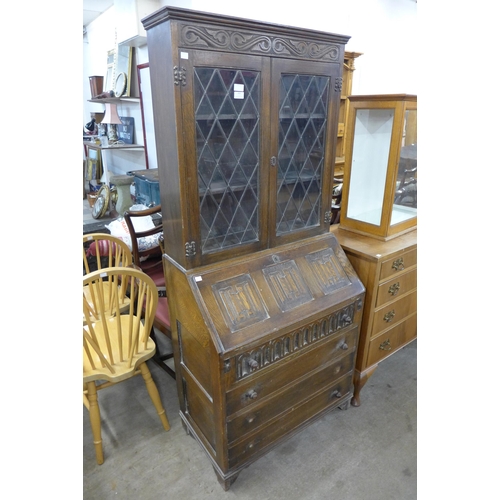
247, 133
380, 181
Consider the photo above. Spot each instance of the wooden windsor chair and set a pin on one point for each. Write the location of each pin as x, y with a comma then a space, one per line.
116, 342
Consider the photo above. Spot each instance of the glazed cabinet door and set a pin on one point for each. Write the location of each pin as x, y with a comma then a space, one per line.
305, 97
225, 106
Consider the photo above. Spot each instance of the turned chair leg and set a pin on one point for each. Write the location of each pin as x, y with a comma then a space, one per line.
154, 395
95, 421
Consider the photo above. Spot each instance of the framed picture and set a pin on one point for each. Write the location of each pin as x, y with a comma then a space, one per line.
144, 80
123, 68
125, 131
94, 163
109, 80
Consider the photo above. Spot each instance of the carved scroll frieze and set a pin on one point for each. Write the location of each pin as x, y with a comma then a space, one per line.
230, 40
249, 362
240, 302
327, 270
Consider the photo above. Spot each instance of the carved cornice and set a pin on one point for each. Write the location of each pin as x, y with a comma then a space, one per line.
244, 42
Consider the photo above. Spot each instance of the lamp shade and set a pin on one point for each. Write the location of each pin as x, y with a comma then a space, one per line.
111, 115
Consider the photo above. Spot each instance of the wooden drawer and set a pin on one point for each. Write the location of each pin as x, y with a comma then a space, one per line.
253, 389
287, 422
396, 287
394, 313
398, 263
296, 392
385, 344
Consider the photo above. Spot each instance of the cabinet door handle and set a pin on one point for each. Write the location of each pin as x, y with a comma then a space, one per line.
273, 161
394, 289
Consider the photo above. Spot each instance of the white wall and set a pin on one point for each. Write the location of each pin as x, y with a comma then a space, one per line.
385, 31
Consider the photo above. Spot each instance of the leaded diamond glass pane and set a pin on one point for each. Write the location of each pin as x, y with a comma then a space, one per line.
227, 136
303, 118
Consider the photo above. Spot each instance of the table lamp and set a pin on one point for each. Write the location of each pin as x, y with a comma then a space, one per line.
112, 119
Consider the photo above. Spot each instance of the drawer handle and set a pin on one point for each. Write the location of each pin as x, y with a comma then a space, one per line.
398, 264
389, 316
251, 394
336, 394
394, 289
344, 346
251, 445
386, 345
250, 419
253, 364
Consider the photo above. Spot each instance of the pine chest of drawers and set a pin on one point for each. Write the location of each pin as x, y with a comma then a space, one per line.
264, 344
388, 269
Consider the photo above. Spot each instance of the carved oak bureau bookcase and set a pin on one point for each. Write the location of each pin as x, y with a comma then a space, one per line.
265, 307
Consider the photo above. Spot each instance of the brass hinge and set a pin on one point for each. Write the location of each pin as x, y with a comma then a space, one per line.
190, 248
180, 75
338, 84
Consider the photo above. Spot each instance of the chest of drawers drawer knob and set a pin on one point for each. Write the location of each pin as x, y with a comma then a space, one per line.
253, 364
250, 419
398, 264
344, 321
250, 446
335, 394
251, 394
344, 346
386, 345
394, 289
388, 317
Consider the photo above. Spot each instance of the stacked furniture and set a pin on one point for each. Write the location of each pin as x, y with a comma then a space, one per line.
378, 223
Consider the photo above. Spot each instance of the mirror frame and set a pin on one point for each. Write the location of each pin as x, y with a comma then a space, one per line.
123, 64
